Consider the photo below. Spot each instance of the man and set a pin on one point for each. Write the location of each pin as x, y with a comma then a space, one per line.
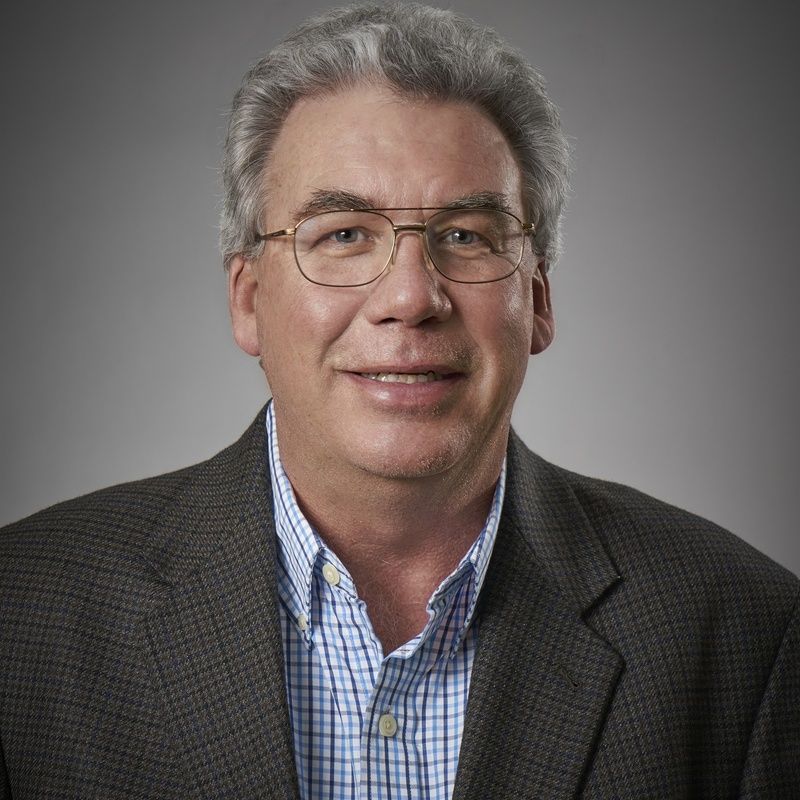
378, 591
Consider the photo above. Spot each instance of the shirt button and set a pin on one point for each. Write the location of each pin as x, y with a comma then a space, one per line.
302, 622
331, 574
387, 725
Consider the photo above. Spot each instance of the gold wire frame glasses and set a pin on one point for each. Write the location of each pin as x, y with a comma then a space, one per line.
353, 247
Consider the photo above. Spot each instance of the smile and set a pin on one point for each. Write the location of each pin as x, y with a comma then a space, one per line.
402, 377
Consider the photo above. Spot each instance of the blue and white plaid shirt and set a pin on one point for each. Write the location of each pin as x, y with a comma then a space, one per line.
365, 726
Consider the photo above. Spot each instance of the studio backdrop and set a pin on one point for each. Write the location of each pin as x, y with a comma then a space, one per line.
675, 368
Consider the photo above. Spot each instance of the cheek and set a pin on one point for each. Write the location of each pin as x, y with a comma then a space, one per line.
511, 320
512, 335
298, 323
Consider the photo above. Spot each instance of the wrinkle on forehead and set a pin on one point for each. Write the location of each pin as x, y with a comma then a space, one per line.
331, 142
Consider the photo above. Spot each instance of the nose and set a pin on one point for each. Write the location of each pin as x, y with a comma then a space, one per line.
410, 290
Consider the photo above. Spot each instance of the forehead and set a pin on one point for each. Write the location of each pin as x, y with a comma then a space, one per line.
391, 151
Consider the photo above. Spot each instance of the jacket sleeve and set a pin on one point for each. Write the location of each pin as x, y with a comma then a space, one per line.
772, 768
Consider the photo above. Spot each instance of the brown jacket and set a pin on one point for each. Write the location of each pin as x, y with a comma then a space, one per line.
627, 649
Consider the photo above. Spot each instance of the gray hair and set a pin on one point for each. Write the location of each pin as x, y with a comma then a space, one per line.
417, 51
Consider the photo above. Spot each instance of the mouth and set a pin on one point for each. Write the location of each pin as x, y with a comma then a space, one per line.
403, 377
415, 388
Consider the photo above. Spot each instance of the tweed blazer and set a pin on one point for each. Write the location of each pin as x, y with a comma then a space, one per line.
627, 649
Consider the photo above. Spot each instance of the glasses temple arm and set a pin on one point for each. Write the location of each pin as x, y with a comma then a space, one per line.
260, 237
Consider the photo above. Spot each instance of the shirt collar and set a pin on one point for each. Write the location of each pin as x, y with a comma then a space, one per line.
298, 543
299, 547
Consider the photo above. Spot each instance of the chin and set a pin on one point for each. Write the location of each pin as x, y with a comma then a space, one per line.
410, 458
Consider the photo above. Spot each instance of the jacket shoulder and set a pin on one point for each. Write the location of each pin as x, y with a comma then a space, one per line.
114, 525
92, 531
114, 542
662, 548
639, 528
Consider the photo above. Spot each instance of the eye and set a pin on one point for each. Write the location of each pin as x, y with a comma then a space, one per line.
346, 235
342, 240
460, 236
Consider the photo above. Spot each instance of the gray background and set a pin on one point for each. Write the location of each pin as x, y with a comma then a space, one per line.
676, 364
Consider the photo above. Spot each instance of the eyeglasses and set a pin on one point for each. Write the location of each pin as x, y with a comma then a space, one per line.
354, 247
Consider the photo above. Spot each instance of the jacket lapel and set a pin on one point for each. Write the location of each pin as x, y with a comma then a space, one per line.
542, 680
215, 639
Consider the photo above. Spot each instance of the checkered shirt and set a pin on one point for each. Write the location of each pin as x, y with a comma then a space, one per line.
365, 726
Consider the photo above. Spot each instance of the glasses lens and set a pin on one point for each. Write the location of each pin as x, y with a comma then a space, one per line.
343, 248
475, 245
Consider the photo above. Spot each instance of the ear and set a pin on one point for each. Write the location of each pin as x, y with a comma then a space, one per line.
242, 292
544, 324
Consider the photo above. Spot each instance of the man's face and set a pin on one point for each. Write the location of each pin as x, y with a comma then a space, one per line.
322, 347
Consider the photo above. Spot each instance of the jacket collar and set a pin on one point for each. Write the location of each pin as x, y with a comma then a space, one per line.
545, 512
542, 679
540, 506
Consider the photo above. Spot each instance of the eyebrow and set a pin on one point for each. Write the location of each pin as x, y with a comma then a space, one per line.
333, 199
495, 200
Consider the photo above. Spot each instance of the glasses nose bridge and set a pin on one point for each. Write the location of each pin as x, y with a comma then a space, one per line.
409, 227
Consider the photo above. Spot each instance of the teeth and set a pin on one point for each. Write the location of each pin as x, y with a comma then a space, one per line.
402, 377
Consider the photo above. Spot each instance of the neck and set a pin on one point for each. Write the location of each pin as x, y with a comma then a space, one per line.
398, 544
397, 524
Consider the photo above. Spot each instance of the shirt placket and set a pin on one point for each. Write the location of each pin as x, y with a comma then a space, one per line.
350, 656
390, 751
389, 758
